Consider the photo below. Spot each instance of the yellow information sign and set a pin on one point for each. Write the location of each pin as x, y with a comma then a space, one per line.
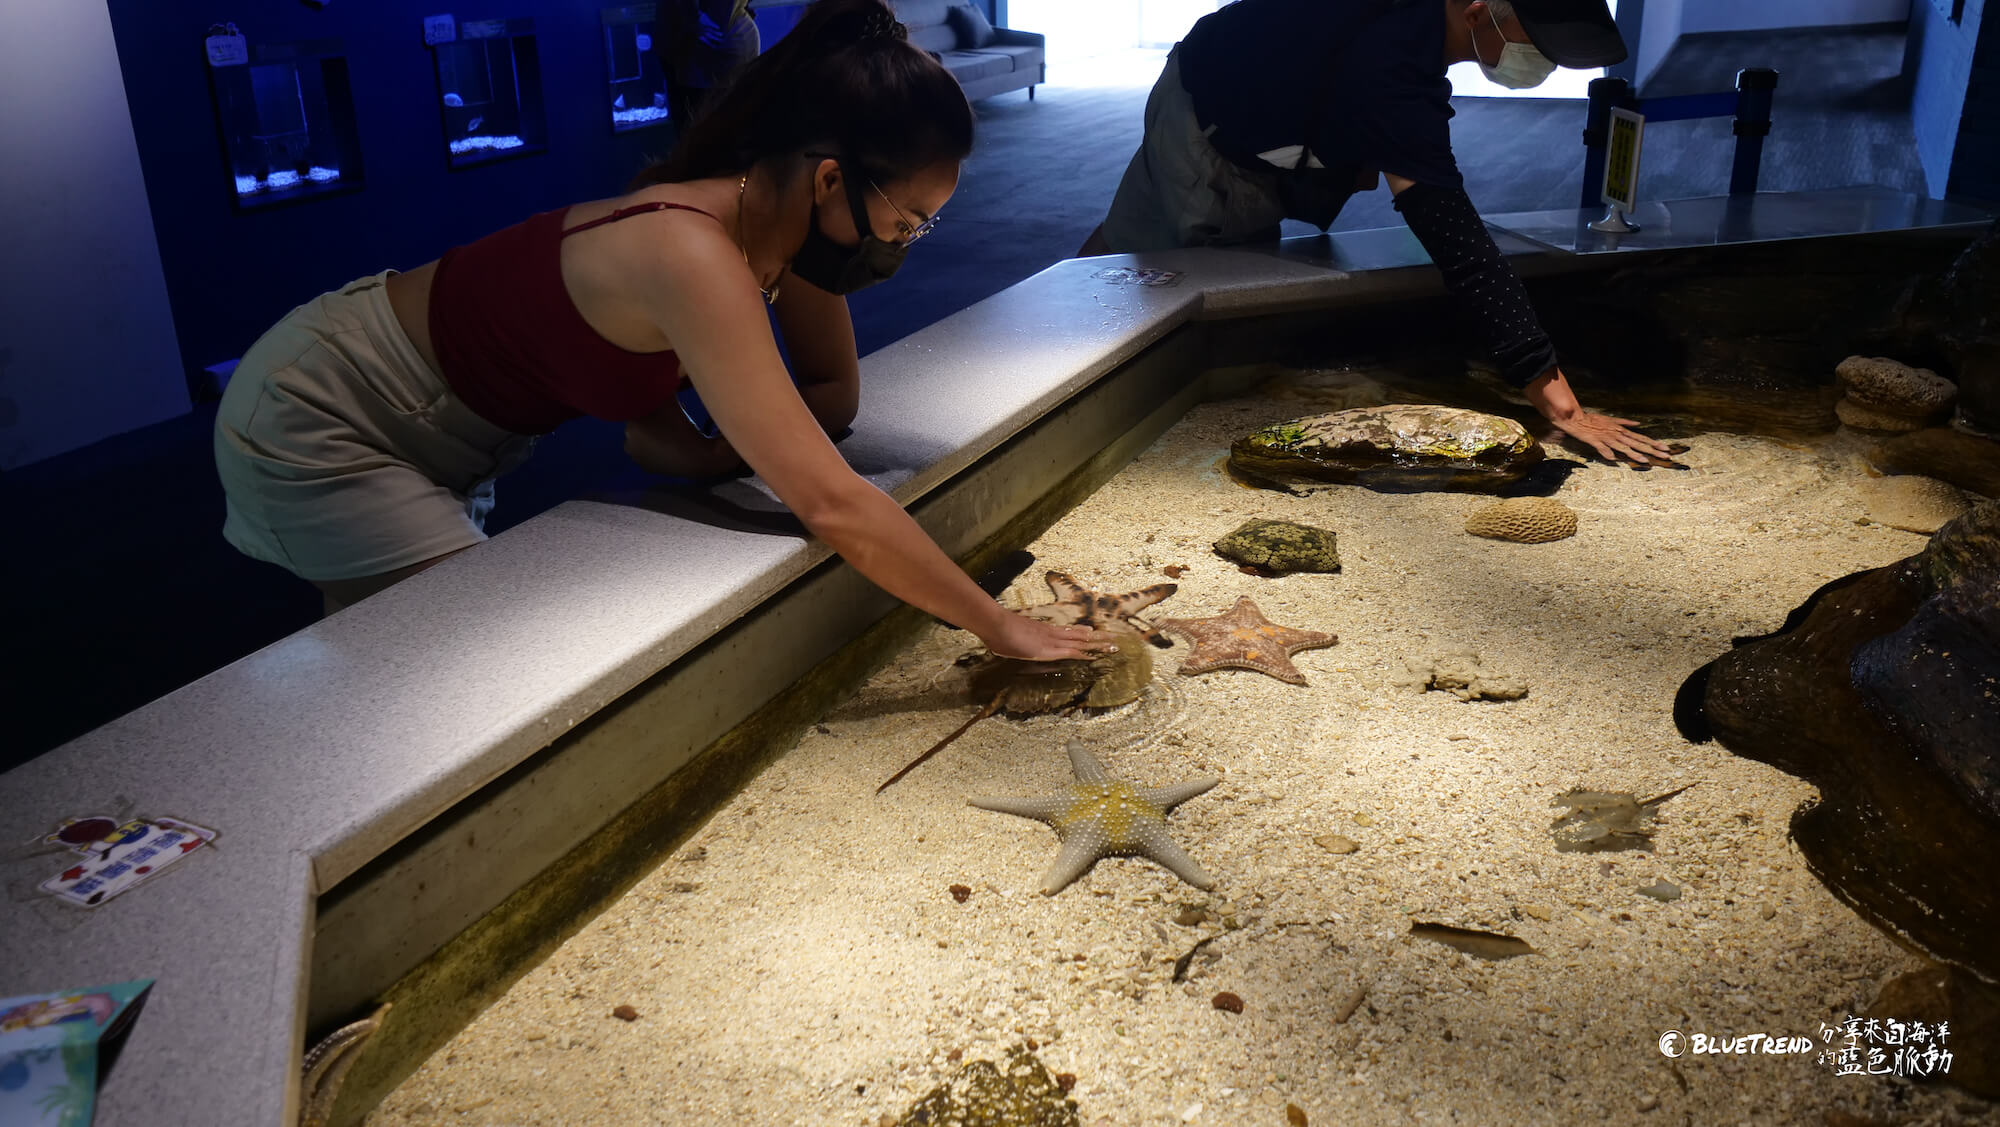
1621, 159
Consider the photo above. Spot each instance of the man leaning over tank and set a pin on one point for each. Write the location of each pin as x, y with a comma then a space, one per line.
1275, 109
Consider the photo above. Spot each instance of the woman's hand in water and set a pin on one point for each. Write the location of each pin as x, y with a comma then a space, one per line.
1030, 639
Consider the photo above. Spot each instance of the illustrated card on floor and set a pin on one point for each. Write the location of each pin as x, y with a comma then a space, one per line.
49, 1045
119, 857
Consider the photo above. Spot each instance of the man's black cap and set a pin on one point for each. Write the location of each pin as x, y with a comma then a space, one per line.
1572, 33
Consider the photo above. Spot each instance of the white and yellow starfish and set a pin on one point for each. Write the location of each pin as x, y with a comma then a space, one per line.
1099, 816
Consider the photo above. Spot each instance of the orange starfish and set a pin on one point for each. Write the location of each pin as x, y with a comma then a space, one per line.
1244, 639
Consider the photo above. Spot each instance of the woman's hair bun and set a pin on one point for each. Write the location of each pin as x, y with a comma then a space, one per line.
884, 25
845, 77
864, 23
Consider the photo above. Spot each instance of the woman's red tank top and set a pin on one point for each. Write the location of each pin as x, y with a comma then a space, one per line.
513, 346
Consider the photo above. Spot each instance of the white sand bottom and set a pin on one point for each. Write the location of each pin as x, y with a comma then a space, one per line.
802, 961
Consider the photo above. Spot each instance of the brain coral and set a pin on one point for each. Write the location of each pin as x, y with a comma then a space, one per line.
1898, 389
1524, 520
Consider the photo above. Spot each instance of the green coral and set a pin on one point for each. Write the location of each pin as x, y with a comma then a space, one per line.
1281, 435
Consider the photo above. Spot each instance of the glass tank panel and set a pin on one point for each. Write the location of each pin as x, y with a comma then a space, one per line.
287, 122
490, 85
638, 93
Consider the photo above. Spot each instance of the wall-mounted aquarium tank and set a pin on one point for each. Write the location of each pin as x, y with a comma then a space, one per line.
638, 85
286, 114
490, 84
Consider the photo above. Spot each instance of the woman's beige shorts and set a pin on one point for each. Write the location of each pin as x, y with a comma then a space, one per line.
343, 454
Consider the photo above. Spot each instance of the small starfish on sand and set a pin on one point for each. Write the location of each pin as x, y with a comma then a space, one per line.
1077, 605
1244, 639
1099, 816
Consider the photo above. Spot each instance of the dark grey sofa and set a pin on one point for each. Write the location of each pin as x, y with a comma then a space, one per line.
1010, 60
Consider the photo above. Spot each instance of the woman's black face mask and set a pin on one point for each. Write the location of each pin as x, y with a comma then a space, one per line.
827, 265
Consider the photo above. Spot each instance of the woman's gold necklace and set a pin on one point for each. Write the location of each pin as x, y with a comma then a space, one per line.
743, 244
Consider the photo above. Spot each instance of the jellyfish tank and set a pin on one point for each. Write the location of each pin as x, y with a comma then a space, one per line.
490, 92
638, 87
287, 121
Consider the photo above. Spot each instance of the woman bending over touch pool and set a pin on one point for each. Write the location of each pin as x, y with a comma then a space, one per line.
359, 438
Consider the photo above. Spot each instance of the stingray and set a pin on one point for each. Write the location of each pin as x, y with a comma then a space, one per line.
1605, 821
1034, 688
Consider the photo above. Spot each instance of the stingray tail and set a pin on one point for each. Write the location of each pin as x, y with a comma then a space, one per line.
946, 742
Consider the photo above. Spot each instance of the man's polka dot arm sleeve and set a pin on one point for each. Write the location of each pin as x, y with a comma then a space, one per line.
1487, 289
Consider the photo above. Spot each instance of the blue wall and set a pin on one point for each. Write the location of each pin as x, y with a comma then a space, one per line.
1975, 174
1955, 100
1735, 15
1940, 57
86, 340
231, 275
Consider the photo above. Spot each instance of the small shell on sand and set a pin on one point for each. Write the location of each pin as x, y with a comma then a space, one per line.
1911, 502
1524, 520
1860, 416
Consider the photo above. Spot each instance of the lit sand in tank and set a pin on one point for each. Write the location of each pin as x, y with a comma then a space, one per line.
803, 959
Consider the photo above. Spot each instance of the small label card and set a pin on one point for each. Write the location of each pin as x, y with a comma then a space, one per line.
227, 47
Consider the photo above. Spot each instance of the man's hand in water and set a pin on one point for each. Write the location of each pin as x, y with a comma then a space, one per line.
1612, 438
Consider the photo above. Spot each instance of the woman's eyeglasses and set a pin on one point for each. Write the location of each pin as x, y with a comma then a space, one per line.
912, 230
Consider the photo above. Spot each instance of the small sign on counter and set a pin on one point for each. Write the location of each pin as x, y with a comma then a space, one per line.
119, 857
1135, 276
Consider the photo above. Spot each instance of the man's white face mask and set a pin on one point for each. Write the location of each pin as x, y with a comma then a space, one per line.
1520, 66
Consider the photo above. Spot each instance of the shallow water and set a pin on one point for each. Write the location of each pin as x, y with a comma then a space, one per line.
802, 959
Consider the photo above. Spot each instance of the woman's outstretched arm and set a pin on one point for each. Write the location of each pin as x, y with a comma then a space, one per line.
706, 302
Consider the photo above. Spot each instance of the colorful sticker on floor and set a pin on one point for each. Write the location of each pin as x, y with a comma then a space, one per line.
49, 1045
119, 857
1134, 276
